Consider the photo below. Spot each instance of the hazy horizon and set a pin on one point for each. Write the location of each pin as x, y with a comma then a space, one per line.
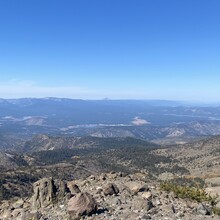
182, 102
167, 50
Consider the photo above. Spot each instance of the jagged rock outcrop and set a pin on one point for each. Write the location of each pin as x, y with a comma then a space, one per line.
80, 205
62, 190
47, 192
44, 193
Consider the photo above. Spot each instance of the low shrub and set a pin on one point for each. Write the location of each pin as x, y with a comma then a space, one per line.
188, 192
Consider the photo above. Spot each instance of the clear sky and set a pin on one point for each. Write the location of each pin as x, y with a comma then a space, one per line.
120, 49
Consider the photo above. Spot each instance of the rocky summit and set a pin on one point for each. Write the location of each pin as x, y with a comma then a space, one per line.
113, 196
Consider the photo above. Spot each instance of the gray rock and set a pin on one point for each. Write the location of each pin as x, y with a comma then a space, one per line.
149, 205
6, 213
80, 205
179, 214
147, 195
44, 193
18, 204
74, 189
173, 208
103, 176
203, 210
116, 201
47, 192
61, 189
145, 217
136, 187
36, 216
111, 189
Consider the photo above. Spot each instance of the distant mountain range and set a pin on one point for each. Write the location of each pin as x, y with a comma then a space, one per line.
154, 120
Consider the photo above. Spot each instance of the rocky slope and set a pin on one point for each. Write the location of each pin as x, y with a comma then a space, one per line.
107, 196
6, 160
201, 158
112, 193
11, 160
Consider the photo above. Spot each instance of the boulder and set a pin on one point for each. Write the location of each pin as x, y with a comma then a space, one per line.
18, 204
141, 204
80, 205
147, 195
149, 205
203, 210
74, 189
136, 187
111, 189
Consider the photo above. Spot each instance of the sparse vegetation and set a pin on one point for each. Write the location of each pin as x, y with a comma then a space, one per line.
16, 183
188, 192
216, 210
191, 182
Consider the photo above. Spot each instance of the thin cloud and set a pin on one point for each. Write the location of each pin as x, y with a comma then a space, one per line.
18, 89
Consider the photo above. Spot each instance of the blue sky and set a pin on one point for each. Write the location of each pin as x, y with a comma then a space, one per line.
120, 49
